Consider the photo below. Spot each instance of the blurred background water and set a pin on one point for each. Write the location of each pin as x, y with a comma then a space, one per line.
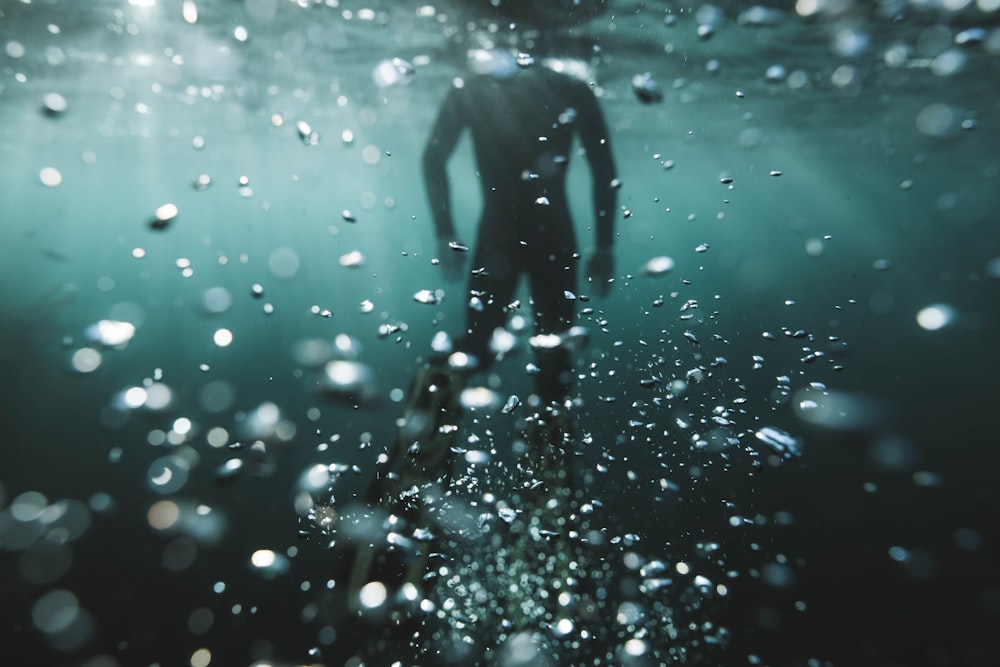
213, 244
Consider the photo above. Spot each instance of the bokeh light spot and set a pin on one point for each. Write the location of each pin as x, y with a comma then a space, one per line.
50, 177
936, 316
163, 515
223, 337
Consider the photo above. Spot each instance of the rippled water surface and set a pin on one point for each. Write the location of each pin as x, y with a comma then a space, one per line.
220, 276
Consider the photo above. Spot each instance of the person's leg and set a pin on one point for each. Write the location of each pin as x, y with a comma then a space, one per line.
553, 275
496, 267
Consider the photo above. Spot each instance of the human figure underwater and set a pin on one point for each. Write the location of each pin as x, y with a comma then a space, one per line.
522, 123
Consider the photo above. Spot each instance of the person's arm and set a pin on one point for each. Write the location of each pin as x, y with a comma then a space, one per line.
597, 148
440, 144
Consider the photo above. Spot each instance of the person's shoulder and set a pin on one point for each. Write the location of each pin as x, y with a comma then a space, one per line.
566, 82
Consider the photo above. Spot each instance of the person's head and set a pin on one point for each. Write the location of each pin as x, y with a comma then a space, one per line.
495, 63
502, 55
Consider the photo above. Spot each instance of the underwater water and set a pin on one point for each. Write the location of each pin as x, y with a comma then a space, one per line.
219, 278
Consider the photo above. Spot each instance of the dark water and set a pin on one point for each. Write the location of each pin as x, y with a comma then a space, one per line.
836, 270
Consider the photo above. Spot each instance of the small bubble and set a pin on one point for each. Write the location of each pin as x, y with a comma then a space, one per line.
86, 360
899, 554
937, 120
163, 515
216, 300
50, 177
512, 403
223, 337
935, 317
269, 563
927, 479
778, 575
775, 74
507, 514
371, 155
646, 89
567, 117
563, 627
167, 474
111, 333
15, 49
427, 296
373, 595
392, 72
28, 506
55, 611
353, 259
283, 262
163, 216
968, 539
658, 266
54, 104
308, 136
201, 658
189, 11
780, 442
949, 63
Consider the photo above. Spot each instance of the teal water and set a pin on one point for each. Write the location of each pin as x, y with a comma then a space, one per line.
848, 301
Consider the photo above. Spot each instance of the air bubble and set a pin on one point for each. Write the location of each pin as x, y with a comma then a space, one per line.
430, 297
50, 177
935, 317
55, 611
54, 104
373, 595
657, 266
393, 72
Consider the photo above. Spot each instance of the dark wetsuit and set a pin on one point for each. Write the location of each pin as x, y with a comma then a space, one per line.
522, 129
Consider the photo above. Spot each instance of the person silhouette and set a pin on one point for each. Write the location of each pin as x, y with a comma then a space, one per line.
522, 122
